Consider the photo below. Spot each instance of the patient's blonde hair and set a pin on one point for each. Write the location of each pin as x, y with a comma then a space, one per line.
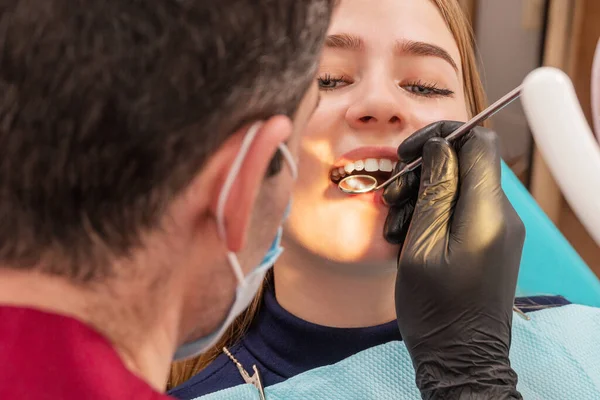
475, 98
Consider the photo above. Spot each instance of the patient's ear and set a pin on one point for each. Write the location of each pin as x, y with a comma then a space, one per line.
241, 200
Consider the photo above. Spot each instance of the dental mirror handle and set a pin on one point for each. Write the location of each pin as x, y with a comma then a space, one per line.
466, 127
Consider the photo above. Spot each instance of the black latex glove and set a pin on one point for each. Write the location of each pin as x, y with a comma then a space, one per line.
458, 267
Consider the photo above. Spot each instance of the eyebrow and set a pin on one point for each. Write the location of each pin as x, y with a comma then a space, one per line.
346, 41
424, 50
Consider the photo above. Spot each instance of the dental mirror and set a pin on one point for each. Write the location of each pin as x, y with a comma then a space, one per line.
359, 184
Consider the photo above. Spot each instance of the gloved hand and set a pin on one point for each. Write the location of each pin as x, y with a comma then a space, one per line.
458, 266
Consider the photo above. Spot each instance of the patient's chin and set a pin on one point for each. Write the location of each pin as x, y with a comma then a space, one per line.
372, 253
353, 235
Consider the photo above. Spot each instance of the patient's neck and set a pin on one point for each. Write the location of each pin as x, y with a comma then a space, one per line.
330, 294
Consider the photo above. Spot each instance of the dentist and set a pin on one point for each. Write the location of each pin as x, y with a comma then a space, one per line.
147, 154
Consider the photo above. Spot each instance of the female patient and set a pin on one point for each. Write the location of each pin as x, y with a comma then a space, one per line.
388, 69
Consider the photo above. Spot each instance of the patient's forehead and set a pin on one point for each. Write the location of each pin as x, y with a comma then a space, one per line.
391, 20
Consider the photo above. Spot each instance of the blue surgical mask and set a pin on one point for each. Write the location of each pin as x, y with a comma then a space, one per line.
247, 285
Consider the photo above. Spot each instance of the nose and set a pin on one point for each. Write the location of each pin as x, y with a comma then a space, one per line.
377, 108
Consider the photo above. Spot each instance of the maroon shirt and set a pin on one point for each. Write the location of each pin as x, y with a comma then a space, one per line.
47, 356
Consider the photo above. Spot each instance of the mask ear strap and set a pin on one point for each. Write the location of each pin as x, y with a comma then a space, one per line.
290, 160
230, 179
224, 195
237, 268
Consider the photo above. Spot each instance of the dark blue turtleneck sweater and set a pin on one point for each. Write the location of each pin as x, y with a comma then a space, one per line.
282, 346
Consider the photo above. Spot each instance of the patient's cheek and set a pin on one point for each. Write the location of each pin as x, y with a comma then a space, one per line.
454, 111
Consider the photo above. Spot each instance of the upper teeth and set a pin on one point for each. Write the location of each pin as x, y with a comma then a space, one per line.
369, 165
386, 165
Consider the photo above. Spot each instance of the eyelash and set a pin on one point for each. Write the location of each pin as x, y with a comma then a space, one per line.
328, 79
434, 90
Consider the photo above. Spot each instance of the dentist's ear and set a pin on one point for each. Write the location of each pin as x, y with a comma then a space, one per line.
234, 195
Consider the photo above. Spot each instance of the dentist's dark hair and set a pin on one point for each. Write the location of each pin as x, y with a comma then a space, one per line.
109, 108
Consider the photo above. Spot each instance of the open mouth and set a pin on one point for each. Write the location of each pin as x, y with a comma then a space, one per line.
379, 168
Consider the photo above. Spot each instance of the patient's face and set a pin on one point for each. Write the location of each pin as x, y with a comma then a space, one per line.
389, 68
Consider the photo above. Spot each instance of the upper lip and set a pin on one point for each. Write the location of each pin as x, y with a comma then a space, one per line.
362, 153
